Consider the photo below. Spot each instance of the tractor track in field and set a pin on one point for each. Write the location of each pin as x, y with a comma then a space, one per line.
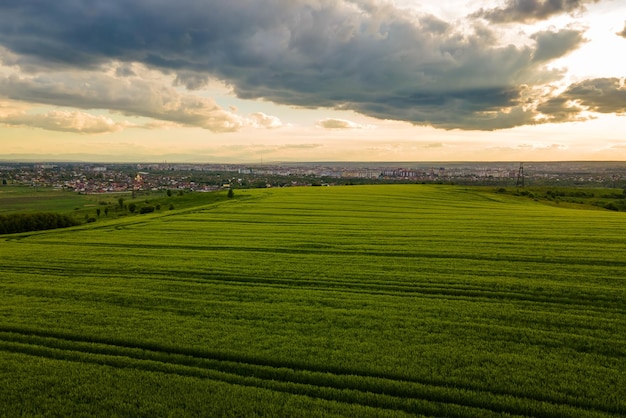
338, 251
591, 302
376, 390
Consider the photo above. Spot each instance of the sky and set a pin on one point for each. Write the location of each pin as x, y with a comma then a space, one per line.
260, 81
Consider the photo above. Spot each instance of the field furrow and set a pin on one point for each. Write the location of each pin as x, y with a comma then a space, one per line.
343, 386
359, 301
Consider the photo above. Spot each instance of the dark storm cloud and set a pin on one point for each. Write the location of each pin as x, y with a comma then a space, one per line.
191, 80
600, 95
124, 70
528, 11
361, 55
551, 45
603, 95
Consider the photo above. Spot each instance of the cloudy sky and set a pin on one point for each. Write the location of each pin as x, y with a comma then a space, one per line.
313, 80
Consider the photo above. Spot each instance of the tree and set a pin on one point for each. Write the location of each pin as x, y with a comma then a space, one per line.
169, 193
231, 194
132, 207
23, 222
98, 212
121, 202
106, 211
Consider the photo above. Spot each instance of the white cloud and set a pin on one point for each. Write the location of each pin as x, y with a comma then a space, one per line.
338, 124
262, 120
65, 121
131, 96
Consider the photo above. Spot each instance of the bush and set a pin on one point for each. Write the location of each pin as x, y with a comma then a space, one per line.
146, 209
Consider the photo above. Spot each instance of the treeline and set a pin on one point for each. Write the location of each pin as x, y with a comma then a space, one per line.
24, 222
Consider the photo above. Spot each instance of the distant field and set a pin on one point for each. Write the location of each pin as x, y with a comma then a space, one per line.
20, 198
100, 207
349, 301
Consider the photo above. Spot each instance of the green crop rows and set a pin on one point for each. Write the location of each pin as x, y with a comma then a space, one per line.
350, 301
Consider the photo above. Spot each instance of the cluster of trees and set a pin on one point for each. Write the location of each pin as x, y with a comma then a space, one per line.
615, 201
24, 222
133, 207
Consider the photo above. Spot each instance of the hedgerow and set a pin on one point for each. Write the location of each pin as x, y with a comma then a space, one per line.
25, 222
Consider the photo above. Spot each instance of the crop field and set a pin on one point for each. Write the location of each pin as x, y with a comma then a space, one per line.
13, 199
394, 300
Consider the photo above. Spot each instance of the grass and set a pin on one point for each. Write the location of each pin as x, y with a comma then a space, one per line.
349, 301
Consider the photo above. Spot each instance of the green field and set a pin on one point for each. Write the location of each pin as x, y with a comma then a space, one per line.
98, 207
392, 300
27, 199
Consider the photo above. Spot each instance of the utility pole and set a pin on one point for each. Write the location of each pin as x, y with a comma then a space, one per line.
520, 176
